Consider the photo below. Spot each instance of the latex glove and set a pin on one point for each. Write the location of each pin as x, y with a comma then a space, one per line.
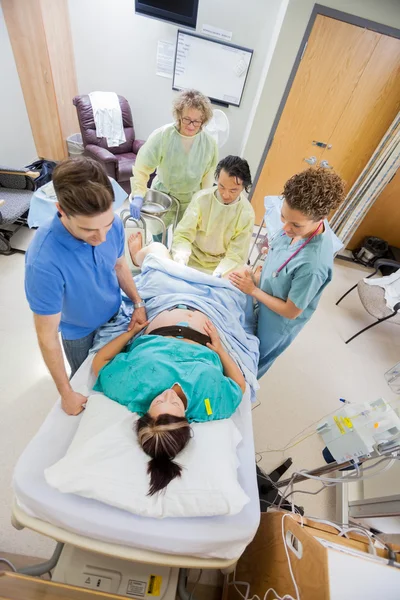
135, 206
182, 257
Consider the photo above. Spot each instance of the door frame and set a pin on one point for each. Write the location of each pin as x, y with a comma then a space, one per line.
325, 11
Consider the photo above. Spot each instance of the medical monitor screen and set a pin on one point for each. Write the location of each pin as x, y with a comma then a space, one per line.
180, 12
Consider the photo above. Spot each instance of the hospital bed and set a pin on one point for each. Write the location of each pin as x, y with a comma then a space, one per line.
111, 548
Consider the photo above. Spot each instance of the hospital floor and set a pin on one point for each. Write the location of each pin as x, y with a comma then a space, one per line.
303, 385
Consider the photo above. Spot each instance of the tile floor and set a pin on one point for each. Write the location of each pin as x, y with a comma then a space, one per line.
301, 387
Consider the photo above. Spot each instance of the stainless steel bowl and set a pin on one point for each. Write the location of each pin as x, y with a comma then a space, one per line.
156, 203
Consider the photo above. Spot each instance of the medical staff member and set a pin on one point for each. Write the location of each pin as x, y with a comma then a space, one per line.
298, 265
215, 232
75, 267
183, 153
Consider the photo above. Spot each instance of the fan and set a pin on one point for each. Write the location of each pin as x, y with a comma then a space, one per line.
218, 127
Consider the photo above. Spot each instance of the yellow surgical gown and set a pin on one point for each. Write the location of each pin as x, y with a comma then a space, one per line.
214, 237
184, 164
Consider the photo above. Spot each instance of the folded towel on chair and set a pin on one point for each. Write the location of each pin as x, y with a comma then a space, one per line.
108, 117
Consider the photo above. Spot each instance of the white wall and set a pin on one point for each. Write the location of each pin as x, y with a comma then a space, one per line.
17, 147
293, 28
115, 50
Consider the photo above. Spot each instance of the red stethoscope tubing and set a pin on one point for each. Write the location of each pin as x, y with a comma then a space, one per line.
287, 261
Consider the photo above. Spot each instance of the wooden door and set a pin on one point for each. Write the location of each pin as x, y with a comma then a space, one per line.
334, 60
345, 94
383, 218
369, 112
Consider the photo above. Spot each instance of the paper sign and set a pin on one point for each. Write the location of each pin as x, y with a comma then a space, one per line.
165, 58
222, 34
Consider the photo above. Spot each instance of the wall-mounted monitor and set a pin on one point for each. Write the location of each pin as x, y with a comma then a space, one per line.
218, 69
180, 12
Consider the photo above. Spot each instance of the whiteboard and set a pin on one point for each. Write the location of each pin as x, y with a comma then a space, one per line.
215, 68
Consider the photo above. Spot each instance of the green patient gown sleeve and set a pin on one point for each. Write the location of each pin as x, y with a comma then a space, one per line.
238, 248
305, 286
148, 159
185, 232
231, 390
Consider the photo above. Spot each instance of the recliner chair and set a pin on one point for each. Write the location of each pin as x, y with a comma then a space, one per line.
118, 160
16, 190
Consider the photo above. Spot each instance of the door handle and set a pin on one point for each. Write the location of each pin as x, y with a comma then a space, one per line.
311, 160
325, 165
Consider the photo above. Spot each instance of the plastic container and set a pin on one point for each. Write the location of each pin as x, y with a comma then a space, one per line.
75, 144
393, 378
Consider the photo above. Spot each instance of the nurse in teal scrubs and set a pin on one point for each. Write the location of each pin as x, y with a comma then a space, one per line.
298, 265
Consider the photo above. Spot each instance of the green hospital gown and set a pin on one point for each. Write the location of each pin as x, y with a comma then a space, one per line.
152, 364
301, 281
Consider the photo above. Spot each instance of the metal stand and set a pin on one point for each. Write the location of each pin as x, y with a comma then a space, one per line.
268, 488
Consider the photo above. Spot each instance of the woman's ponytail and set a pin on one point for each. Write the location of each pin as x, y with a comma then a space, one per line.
162, 439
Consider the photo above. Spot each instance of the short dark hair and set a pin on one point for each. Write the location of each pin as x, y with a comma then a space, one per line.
314, 192
162, 439
82, 187
235, 167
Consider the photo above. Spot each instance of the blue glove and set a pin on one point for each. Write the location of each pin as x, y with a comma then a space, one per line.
135, 206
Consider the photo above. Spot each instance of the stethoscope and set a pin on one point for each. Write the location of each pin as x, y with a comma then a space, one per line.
287, 261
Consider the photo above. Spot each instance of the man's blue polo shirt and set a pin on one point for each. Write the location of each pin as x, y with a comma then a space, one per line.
68, 276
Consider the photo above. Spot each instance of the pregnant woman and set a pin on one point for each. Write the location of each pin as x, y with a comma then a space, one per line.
176, 373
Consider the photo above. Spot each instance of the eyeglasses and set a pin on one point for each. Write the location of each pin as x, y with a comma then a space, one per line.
188, 121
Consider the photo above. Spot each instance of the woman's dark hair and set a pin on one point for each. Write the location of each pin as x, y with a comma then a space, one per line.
314, 192
235, 167
162, 439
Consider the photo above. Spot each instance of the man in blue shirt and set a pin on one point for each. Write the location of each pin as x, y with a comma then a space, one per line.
75, 270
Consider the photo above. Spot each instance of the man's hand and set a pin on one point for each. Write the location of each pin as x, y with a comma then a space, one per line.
211, 331
72, 402
138, 316
136, 328
243, 281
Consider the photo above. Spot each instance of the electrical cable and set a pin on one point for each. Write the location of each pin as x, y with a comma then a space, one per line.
195, 584
277, 596
288, 447
329, 481
9, 563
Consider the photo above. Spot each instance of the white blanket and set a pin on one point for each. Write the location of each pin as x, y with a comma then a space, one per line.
391, 285
106, 463
108, 117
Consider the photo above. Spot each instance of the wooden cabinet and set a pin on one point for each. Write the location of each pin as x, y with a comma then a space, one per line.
40, 37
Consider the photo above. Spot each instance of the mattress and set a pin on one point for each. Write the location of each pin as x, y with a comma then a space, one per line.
207, 537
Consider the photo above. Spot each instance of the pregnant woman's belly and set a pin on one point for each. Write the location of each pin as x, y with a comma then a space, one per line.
188, 318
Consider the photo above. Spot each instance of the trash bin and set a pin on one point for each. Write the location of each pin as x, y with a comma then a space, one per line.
75, 144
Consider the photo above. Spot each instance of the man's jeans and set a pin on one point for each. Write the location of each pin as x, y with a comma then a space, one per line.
77, 351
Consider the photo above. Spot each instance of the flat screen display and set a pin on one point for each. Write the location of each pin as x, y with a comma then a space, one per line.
180, 12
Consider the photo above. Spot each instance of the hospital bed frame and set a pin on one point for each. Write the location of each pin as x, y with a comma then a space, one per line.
20, 519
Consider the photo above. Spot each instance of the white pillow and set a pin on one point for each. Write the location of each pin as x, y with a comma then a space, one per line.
105, 462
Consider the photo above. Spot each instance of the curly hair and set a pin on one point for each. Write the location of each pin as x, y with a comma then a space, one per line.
192, 99
314, 192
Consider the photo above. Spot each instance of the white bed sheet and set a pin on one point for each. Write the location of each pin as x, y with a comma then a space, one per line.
218, 537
